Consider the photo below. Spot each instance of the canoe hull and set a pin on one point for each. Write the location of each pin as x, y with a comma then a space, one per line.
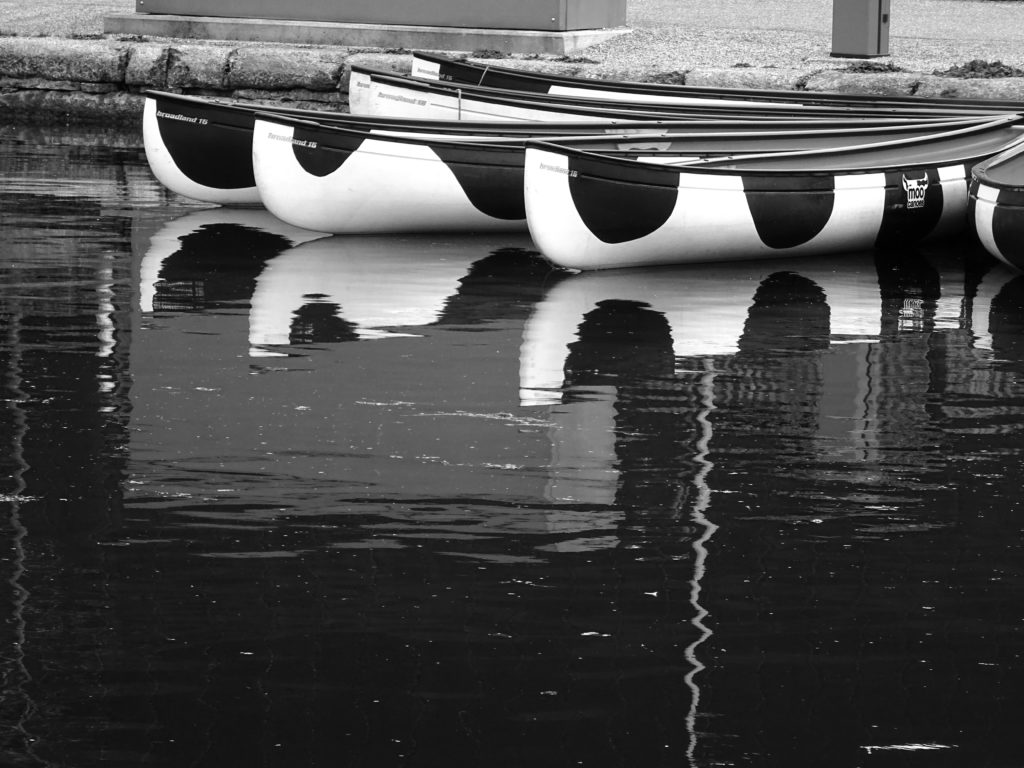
373, 185
582, 218
997, 205
198, 157
998, 219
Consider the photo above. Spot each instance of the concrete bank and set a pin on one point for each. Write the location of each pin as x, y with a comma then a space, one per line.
58, 80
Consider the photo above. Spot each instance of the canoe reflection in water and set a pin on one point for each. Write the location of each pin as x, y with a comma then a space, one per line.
605, 348
307, 287
599, 348
549, 506
211, 257
812, 375
376, 284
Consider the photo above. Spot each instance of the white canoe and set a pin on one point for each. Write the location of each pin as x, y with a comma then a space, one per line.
587, 211
378, 93
997, 205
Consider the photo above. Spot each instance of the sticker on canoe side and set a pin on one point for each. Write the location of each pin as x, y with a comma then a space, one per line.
619, 204
916, 189
788, 212
913, 207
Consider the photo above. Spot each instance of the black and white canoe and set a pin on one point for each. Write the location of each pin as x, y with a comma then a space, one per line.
379, 93
201, 147
328, 178
589, 211
430, 66
997, 205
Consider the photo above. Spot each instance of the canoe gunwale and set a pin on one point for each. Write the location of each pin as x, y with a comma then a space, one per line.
498, 144
729, 167
581, 141
709, 91
1012, 159
624, 107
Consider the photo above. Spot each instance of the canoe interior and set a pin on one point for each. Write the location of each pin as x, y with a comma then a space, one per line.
327, 137
969, 146
240, 115
1004, 170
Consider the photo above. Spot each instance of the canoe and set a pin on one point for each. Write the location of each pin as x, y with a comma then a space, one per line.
588, 211
201, 148
997, 205
431, 66
375, 92
332, 179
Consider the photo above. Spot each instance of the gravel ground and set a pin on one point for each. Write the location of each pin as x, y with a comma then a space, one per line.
670, 35
924, 35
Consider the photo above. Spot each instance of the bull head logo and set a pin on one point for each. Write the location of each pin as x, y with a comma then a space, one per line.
916, 190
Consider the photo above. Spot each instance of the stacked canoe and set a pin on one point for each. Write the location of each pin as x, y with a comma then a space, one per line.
603, 174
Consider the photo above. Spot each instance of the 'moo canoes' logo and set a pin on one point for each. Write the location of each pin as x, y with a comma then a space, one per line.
916, 190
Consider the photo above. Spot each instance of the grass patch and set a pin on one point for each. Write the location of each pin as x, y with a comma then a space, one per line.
489, 53
576, 60
667, 78
872, 67
978, 68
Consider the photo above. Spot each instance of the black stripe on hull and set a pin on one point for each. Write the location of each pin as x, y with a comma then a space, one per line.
634, 204
914, 203
455, 72
1008, 226
491, 178
211, 147
789, 211
318, 158
972, 200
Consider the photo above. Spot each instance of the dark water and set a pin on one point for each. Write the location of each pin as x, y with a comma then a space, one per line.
274, 500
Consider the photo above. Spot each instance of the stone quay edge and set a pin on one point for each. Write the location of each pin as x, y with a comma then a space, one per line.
102, 81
